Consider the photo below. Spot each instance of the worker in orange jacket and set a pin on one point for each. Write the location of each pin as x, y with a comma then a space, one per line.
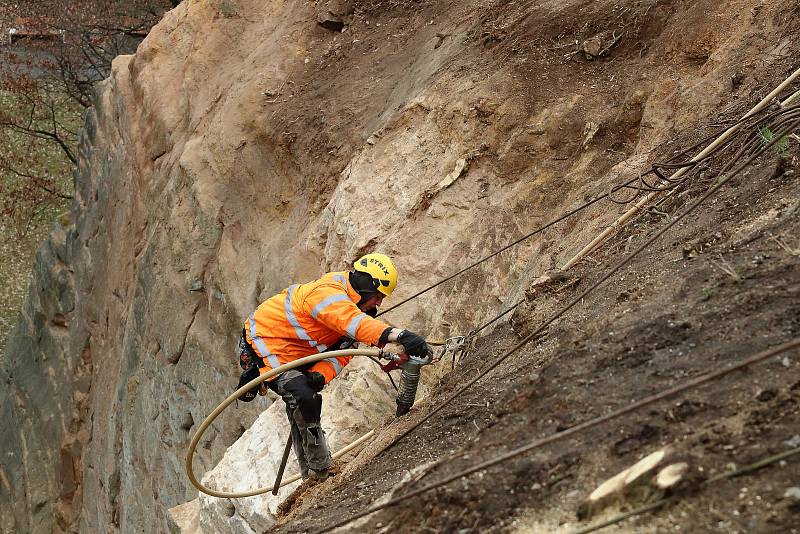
330, 313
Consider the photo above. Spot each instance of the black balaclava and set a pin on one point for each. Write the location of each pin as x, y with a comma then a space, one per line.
365, 287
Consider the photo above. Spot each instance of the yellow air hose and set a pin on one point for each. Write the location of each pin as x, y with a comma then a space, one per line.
233, 396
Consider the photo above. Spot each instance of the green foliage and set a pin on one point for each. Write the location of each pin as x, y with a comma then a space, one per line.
228, 9
768, 136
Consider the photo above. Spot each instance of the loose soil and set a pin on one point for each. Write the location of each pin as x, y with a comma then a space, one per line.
671, 315
722, 285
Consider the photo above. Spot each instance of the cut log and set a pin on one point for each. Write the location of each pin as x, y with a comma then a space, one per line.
645, 465
628, 485
614, 484
603, 495
671, 475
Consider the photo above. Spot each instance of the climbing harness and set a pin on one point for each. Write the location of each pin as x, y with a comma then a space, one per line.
250, 362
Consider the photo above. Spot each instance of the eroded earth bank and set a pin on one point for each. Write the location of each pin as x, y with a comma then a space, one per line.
246, 146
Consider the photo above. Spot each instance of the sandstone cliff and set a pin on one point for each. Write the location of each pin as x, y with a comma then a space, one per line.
245, 146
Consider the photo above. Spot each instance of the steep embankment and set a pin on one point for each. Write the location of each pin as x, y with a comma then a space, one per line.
245, 146
716, 290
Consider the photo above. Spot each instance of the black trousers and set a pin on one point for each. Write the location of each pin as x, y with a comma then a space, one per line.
303, 409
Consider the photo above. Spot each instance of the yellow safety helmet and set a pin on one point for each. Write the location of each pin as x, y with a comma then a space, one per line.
381, 269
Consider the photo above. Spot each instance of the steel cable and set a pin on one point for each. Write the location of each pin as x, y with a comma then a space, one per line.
708, 377
667, 182
497, 317
506, 247
513, 243
753, 151
606, 276
655, 169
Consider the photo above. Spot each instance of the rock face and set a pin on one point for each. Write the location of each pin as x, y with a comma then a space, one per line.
245, 147
357, 402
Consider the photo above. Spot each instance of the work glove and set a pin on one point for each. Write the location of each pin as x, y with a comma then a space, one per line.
414, 345
251, 374
316, 381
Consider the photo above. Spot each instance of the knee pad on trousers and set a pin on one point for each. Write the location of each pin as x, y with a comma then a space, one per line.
309, 410
309, 402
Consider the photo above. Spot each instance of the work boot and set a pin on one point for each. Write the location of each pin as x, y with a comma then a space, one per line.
318, 475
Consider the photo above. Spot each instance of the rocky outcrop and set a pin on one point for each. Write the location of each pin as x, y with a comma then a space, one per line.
45, 399
245, 146
357, 402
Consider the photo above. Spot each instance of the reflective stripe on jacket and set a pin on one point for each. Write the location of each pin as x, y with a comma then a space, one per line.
305, 318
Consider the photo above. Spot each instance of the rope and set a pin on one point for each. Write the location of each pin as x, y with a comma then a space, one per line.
787, 123
789, 112
690, 384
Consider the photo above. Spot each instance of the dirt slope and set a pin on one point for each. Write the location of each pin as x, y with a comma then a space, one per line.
716, 289
245, 147
665, 318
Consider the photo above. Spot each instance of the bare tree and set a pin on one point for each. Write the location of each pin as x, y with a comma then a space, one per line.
53, 53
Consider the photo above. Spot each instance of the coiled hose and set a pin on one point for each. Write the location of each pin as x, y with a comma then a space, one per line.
233, 396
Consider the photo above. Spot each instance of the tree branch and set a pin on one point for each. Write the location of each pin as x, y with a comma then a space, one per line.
39, 182
43, 134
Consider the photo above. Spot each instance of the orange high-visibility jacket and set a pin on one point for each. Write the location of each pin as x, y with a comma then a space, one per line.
305, 318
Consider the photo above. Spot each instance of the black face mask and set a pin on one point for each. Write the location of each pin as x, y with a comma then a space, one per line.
363, 284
